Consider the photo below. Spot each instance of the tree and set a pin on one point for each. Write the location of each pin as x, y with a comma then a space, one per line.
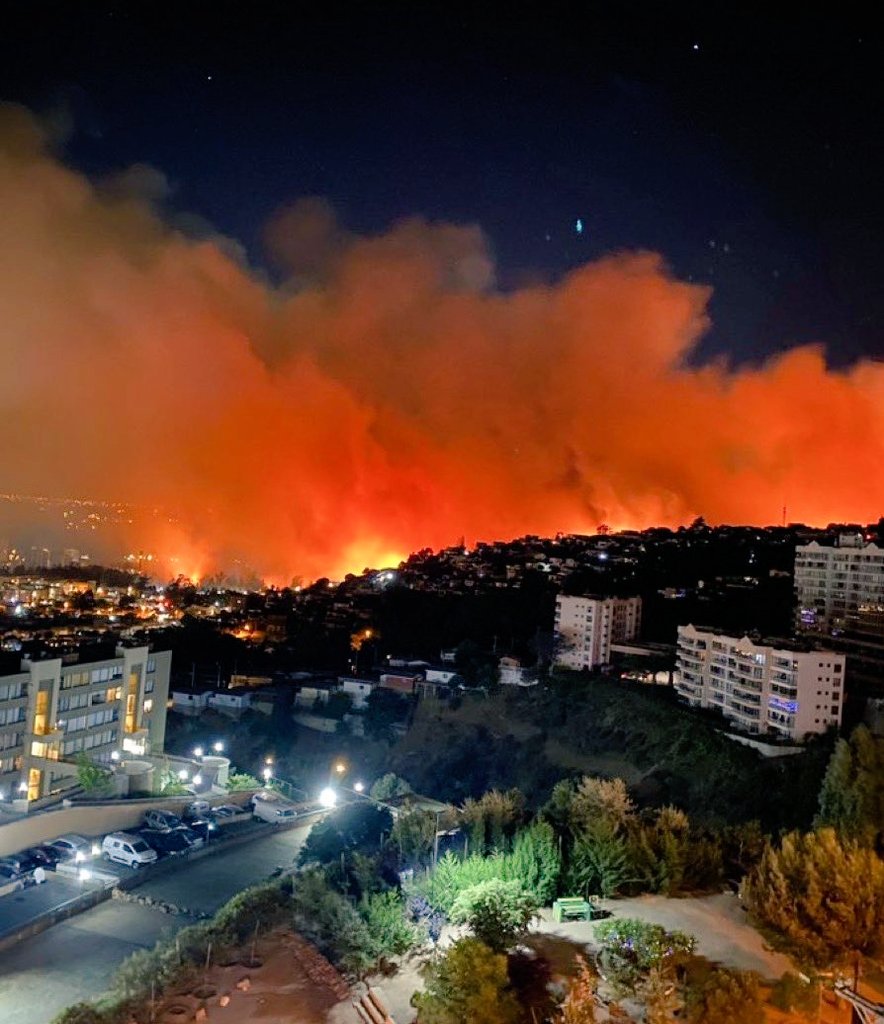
578, 1006
468, 984
94, 779
824, 896
728, 997
852, 794
492, 819
536, 862
599, 863
601, 801
414, 835
497, 912
355, 827
389, 786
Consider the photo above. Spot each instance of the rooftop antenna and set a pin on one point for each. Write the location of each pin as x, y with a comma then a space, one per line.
784, 515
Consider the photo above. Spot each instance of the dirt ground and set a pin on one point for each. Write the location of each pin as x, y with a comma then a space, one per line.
279, 991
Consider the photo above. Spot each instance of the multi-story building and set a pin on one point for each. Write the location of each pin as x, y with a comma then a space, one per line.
839, 586
839, 593
774, 687
53, 711
585, 628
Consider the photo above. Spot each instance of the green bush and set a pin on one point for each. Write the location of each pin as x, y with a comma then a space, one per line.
727, 997
261, 905
632, 948
497, 912
384, 914
239, 781
791, 993
468, 984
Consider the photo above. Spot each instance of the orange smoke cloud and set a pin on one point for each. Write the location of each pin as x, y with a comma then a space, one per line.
388, 397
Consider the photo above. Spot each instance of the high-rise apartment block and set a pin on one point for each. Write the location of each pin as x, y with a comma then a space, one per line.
585, 628
52, 711
773, 687
837, 587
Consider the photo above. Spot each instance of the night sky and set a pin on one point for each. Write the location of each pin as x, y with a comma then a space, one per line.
745, 147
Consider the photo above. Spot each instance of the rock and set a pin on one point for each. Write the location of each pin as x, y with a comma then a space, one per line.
224, 1000
244, 985
201, 1014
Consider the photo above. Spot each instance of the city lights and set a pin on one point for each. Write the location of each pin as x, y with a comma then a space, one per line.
359, 787
218, 747
197, 751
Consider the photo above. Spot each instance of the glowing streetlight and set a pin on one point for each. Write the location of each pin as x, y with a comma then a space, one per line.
197, 751
218, 747
183, 774
359, 786
340, 767
328, 797
268, 774
23, 787
268, 760
96, 849
197, 780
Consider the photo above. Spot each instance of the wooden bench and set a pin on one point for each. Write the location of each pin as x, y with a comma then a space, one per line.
571, 908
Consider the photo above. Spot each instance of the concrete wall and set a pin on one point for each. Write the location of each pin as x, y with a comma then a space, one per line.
91, 820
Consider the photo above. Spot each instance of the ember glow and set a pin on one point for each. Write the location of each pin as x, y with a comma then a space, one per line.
388, 396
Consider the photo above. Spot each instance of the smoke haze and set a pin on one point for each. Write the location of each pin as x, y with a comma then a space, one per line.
388, 396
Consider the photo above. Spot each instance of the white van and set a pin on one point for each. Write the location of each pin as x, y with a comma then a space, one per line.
126, 849
276, 812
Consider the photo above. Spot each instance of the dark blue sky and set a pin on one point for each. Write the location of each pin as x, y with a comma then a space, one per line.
742, 145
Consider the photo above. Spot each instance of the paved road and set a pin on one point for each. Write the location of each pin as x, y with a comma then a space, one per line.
76, 959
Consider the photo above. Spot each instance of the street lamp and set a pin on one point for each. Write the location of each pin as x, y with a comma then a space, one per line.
115, 755
340, 767
197, 751
359, 787
268, 774
183, 774
218, 747
197, 780
328, 797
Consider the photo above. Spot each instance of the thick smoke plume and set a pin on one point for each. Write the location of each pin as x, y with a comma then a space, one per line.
388, 397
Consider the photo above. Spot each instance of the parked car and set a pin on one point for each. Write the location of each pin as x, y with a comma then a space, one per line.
46, 856
165, 842
161, 819
194, 840
226, 811
9, 874
204, 828
277, 813
127, 849
21, 863
269, 796
197, 809
72, 847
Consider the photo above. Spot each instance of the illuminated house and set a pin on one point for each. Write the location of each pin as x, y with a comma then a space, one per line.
52, 713
789, 690
585, 628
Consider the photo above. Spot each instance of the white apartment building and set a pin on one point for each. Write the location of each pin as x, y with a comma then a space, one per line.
785, 689
838, 586
585, 628
52, 711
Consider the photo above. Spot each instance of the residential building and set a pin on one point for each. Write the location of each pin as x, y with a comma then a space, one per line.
778, 687
51, 712
511, 672
839, 593
838, 587
358, 690
585, 628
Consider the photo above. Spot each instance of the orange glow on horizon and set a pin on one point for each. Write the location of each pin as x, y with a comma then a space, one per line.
388, 397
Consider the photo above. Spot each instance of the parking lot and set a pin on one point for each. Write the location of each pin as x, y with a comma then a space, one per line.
76, 959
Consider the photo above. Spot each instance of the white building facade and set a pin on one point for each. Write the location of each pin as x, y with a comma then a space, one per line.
836, 586
585, 628
52, 713
774, 688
